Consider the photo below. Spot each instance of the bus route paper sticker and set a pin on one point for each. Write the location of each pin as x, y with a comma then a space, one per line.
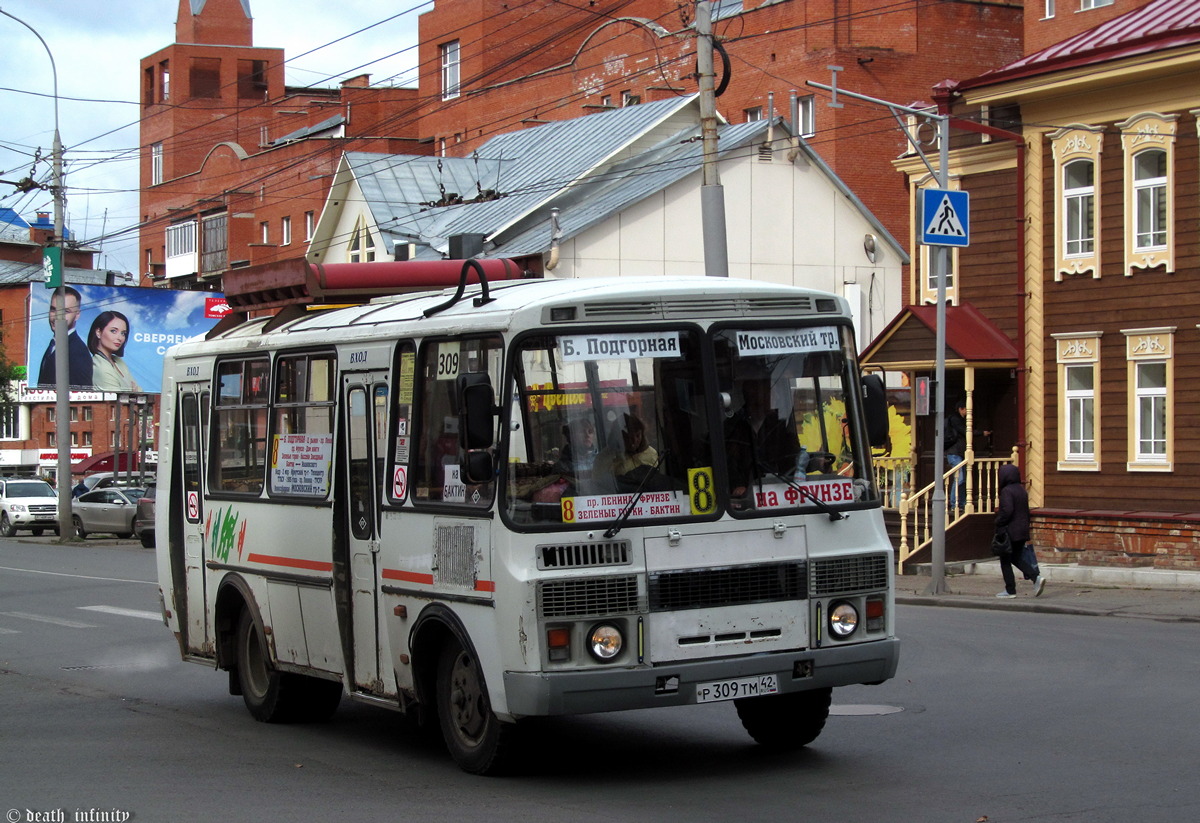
300, 464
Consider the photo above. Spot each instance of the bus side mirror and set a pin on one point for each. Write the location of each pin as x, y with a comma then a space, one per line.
476, 429
876, 410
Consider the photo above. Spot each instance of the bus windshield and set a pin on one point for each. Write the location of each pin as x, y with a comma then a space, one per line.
789, 434
609, 421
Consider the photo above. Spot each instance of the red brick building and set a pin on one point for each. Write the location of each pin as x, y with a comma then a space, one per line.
236, 165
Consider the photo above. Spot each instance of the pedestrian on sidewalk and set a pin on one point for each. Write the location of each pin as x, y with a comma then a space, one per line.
1012, 517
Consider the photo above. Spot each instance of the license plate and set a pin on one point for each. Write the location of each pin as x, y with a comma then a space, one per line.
718, 690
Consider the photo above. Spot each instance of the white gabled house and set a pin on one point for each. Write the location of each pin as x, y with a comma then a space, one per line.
618, 194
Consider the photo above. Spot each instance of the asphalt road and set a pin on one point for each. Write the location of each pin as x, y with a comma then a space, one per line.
996, 715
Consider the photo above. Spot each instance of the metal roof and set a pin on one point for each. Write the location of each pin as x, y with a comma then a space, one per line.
589, 168
1156, 26
13, 273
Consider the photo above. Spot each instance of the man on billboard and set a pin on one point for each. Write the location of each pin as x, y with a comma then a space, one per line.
79, 369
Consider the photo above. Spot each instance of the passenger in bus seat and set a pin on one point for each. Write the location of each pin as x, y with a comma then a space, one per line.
622, 464
579, 450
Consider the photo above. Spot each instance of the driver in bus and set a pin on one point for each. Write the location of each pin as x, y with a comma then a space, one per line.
760, 442
627, 456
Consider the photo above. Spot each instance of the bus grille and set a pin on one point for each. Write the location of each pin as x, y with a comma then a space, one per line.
587, 597
583, 555
729, 586
843, 575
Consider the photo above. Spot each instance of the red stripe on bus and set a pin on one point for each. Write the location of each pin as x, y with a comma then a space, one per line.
407, 577
291, 562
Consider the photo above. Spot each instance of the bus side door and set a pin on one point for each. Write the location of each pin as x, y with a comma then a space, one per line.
365, 401
193, 417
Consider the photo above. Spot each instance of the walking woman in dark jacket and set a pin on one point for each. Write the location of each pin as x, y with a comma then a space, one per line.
1012, 517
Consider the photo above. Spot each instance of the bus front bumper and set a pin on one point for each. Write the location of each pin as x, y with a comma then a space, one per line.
532, 694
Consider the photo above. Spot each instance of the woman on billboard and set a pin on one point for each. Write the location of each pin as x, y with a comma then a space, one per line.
106, 341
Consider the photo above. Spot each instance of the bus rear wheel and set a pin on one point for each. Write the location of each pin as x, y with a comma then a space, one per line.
785, 722
278, 697
476, 738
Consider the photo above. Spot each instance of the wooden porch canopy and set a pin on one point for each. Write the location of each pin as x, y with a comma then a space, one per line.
909, 342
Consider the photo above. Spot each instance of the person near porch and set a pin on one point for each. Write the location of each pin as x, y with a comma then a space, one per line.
1012, 517
956, 450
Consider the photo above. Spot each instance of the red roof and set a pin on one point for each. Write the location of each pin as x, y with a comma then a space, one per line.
1156, 26
969, 335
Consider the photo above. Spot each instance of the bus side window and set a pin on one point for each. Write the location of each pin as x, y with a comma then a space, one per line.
439, 474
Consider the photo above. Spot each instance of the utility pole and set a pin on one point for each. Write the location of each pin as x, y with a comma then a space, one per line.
941, 267
62, 360
712, 196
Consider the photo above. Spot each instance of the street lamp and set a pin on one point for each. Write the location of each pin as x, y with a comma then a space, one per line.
62, 363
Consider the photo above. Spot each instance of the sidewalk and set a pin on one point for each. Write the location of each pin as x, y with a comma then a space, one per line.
1070, 589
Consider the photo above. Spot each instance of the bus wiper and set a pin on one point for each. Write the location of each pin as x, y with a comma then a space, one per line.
612, 530
834, 515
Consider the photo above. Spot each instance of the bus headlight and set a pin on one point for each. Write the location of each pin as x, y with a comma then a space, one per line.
605, 642
843, 620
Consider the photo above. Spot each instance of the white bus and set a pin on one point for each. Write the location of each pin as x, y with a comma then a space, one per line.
544, 498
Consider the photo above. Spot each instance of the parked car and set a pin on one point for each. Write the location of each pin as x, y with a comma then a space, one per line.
27, 503
143, 521
108, 511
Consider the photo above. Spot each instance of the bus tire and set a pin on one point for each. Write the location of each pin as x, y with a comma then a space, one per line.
268, 693
474, 735
785, 722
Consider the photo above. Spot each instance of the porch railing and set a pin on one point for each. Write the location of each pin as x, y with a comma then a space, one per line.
894, 475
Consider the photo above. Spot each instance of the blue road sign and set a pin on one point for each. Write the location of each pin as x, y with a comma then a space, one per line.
945, 217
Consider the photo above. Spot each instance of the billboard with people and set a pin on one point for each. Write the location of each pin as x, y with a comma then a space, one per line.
117, 336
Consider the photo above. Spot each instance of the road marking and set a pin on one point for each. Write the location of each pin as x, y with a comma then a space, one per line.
80, 576
9, 631
57, 621
124, 612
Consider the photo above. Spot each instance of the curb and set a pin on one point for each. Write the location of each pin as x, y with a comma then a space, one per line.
969, 602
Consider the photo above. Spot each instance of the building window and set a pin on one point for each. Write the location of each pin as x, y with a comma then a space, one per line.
87, 438
1150, 358
50, 414
264, 229
1049, 9
1085, 5
1079, 207
74, 414
362, 244
214, 244
628, 98
450, 70
807, 116
606, 101
87, 414
10, 423
1076, 150
1150, 200
205, 77
754, 114
1079, 401
285, 231
1148, 141
156, 164
181, 239
252, 79
310, 225
51, 439
164, 73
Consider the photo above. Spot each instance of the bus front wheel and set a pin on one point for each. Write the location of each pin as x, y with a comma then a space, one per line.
785, 722
474, 735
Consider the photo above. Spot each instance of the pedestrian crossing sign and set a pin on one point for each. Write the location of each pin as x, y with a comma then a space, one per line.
945, 217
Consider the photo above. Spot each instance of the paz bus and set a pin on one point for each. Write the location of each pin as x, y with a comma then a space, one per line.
534, 498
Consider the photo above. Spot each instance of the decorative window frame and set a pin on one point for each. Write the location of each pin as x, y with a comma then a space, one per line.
1148, 130
926, 287
1150, 346
1078, 349
361, 246
1077, 141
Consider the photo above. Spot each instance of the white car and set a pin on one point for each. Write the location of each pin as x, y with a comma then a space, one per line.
27, 503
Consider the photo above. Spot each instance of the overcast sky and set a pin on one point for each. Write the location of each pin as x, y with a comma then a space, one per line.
98, 46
